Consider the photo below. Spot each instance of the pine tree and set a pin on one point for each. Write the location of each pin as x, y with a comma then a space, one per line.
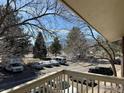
39, 49
14, 42
55, 47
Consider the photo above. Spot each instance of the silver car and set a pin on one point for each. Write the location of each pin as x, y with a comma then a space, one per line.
37, 65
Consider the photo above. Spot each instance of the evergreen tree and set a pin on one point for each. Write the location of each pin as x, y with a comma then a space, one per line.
55, 47
39, 49
14, 42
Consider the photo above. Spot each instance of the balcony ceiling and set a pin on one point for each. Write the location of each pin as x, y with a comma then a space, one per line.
106, 16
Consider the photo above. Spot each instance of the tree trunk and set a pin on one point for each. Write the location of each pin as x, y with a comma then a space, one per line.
113, 68
112, 59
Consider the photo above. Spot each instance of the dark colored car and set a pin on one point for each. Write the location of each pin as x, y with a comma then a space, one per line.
91, 83
117, 61
102, 70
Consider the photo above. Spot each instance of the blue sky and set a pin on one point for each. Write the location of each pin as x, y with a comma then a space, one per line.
57, 24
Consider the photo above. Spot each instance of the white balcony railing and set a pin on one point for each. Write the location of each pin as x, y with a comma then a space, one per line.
66, 81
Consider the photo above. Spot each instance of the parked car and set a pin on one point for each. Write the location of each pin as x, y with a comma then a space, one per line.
1, 66
14, 67
102, 60
55, 63
101, 70
61, 60
47, 63
117, 61
91, 83
46, 59
37, 65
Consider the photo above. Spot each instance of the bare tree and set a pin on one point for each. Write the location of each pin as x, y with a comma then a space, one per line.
26, 16
109, 50
32, 13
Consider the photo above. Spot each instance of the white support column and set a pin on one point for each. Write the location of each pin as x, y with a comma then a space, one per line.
122, 63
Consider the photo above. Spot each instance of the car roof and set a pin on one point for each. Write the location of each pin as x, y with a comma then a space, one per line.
59, 57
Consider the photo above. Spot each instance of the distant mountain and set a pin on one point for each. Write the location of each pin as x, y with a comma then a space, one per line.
62, 34
91, 41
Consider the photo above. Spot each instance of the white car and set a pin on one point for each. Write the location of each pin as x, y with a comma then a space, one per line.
54, 62
47, 63
14, 64
14, 67
61, 60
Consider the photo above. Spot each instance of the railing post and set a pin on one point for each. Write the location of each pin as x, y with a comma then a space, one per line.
122, 63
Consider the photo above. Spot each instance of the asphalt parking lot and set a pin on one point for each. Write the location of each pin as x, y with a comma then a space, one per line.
9, 80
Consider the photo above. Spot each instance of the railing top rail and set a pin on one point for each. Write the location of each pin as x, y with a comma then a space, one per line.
80, 75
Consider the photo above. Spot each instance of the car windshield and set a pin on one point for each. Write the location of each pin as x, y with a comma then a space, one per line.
16, 64
59, 58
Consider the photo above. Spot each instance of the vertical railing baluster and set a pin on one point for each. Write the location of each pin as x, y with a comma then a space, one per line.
50, 86
86, 85
54, 84
32, 91
57, 82
61, 83
121, 88
44, 87
39, 90
72, 85
105, 83
68, 81
64, 81
82, 91
98, 86
61, 80
77, 85
93, 81
36, 90
104, 86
